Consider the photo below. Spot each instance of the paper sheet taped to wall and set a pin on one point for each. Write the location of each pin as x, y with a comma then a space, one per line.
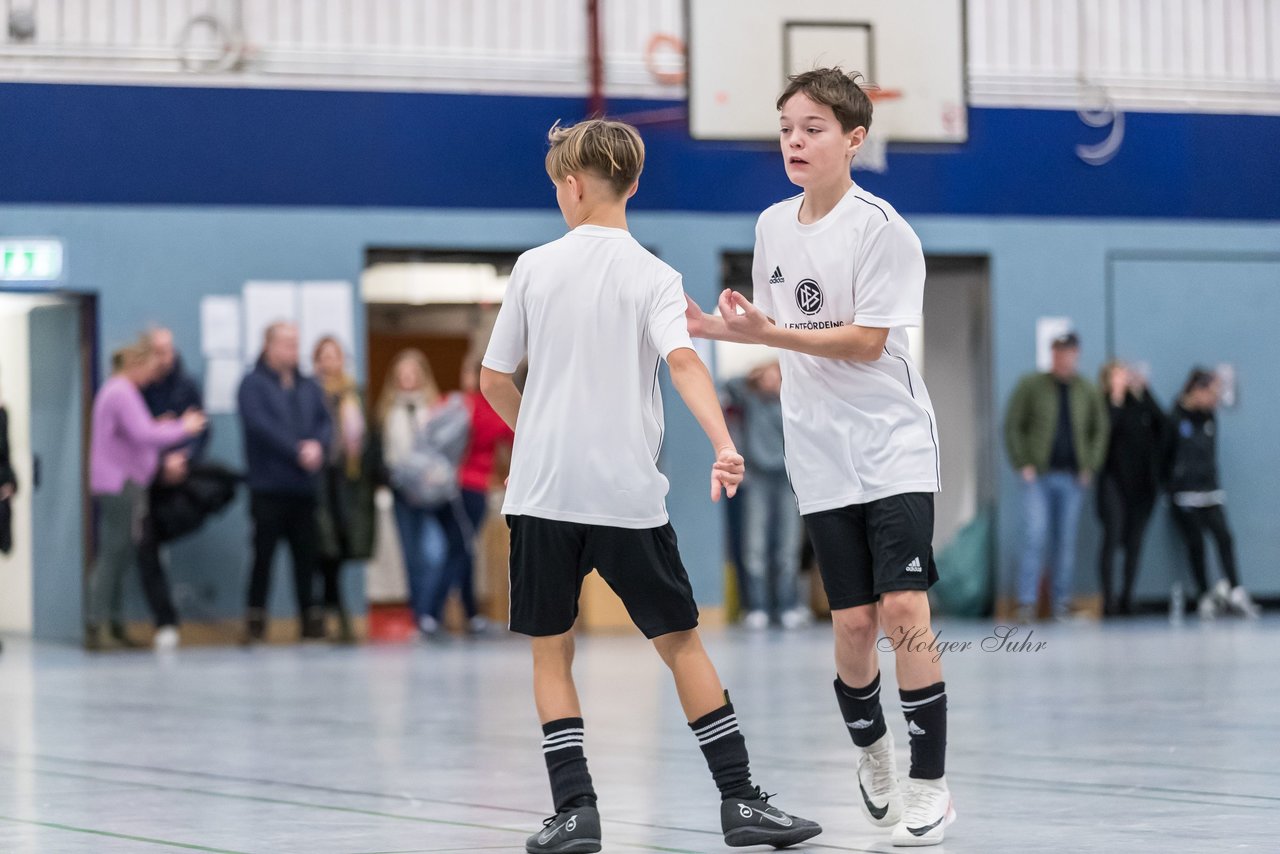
325, 309
220, 327
266, 303
222, 377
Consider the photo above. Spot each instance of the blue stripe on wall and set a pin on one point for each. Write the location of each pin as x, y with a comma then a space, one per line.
171, 145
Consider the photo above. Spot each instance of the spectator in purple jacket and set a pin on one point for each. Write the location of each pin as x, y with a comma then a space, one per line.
123, 456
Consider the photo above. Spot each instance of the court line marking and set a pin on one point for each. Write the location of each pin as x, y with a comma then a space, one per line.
1136, 792
125, 836
1139, 763
229, 778
324, 807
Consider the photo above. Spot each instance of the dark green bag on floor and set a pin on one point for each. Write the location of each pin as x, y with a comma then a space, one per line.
964, 586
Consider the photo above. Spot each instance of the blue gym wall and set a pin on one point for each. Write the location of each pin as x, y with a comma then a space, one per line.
166, 195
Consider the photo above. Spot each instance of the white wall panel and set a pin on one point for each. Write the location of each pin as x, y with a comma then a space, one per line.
1212, 55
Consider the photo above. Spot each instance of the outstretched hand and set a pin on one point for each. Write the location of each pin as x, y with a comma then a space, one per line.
726, 473
743, 318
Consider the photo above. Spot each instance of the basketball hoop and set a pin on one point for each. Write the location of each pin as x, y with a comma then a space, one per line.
882, 94
872, 155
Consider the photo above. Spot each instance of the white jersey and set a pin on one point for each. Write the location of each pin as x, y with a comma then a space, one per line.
855, 431
595, 313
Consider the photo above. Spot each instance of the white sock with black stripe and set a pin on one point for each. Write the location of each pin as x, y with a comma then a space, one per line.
562, 747
725, 750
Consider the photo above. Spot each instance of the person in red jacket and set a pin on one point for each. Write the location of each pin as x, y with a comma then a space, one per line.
489, 434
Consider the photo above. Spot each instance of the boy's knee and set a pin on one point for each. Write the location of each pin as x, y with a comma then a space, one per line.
673, 644
856, 627
553, 650
904, 609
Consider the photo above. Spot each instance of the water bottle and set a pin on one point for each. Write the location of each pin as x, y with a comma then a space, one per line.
1177, 603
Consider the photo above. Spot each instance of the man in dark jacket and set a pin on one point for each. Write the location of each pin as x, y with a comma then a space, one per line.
1056, 435
286, 429
169, 396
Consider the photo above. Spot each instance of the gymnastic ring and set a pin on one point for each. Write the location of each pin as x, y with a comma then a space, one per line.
656, 42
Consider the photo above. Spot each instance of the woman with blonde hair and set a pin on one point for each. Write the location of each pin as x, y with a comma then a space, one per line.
344, 508
424, 435
124, 453
1128, 481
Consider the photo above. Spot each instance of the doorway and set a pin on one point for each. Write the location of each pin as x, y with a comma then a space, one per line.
442, 304
953, 352
48, 378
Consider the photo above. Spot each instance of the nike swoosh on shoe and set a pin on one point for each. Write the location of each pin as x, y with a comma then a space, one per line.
921, 831
876, 812
780, 820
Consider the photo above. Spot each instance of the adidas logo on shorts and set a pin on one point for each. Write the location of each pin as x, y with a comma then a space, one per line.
914, 566
776, 278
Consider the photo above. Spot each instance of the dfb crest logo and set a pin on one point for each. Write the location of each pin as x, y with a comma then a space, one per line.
809, 296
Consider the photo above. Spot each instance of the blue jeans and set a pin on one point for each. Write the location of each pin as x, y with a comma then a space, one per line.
770, 509
429, 582
461, 522
1051, 516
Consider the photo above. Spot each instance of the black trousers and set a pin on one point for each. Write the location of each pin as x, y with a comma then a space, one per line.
1124, 524
1192, 523
155, 579
290, 517
336, 507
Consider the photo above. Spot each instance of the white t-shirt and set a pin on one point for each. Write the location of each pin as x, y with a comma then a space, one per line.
595, 313
855, 431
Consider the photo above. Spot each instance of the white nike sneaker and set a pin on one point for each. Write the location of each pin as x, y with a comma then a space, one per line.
166, 639
1242, 603
795, 618
927, 810
756, 621
1208, 607
878, 783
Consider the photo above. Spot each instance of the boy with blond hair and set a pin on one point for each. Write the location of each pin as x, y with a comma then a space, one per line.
838, 276
595, 314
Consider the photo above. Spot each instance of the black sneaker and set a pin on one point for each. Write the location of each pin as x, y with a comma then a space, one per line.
120, 636
752, 821
571, 831
255, 626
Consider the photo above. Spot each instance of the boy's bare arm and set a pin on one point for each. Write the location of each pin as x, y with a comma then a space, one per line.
693, 382
860, 343
711, 326
501, 392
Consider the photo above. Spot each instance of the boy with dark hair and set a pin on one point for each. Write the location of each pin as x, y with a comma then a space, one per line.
838, 276
595, 314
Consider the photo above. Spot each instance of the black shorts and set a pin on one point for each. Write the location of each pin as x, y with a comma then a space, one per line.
549, 559
865, 550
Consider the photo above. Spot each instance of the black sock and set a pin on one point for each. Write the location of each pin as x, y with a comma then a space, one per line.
926, 711
567, 764
726, 752
862, 713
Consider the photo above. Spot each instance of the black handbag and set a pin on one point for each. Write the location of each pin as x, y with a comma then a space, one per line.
182, 508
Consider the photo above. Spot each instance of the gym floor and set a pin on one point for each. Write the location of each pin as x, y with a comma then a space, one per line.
1137, 736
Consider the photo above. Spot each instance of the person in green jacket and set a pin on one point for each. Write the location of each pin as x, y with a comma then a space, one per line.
1056, 432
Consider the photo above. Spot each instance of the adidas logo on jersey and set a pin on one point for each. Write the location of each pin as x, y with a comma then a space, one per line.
914, 566
776, 278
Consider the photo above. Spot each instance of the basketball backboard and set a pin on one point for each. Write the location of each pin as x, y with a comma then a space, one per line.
910, 51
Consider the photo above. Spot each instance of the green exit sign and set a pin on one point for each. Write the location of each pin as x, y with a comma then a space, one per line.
30, 260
